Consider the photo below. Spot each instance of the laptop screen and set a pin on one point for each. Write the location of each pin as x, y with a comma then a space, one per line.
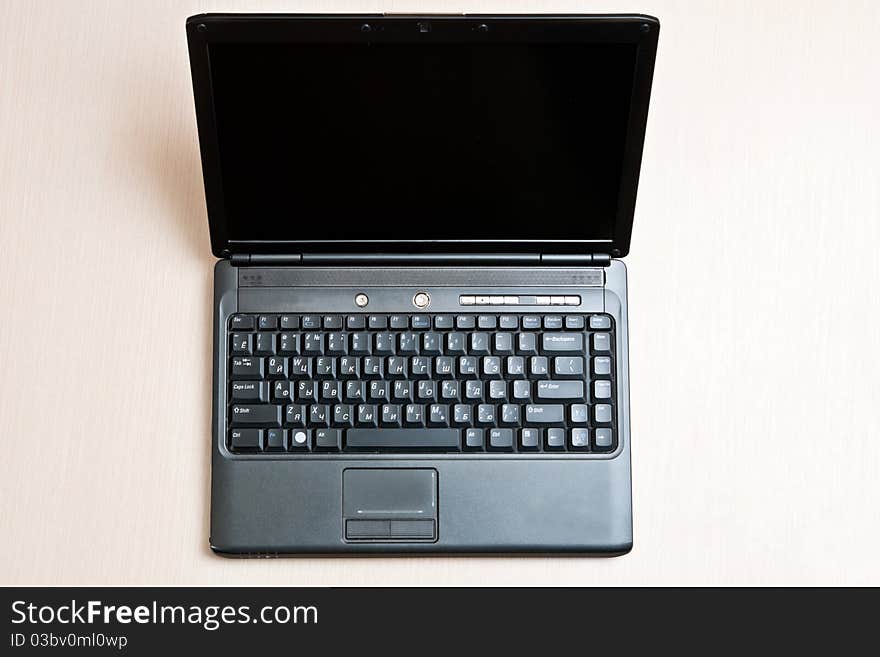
389, 141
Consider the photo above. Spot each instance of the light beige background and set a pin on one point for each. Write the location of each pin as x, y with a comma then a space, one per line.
754, 280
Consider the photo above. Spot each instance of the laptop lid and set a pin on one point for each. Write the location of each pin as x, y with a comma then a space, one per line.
372, 133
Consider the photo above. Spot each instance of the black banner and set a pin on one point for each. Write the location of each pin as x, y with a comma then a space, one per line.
242, 621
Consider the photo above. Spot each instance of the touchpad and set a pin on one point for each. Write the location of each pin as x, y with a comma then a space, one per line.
390, 504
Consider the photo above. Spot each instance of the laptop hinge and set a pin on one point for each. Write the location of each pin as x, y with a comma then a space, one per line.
243, 259
553, 259
580, 259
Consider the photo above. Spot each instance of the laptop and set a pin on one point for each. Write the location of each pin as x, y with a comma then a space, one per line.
420, 310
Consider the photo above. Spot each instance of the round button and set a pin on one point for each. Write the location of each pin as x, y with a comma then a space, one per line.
421, 300
299, 437
361, 300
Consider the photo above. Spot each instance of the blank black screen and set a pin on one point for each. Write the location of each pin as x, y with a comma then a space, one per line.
421, 142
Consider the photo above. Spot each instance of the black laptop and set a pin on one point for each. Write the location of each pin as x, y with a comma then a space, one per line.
420, 318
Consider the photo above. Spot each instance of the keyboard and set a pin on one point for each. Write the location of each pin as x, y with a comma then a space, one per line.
420, 383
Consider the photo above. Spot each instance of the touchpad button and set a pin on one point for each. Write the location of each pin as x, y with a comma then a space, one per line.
390, 504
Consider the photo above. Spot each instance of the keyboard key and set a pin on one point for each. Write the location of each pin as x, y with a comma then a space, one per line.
491, 366
578, 413
600, 322
515, 366
367, 415
529, 439
402, 391
510, 414
267, 322
300, 367
456, 344
501, 439
343, 415
288, 343
601, 342
333, 322
444, 322
306, 392
508, 322
522, 390
246, 439
479, 344
414, 415
580, 438
377, 321
300, 440
553, 322
571, 390
416, 439
603, 438
311, 322
568, 365
432, 344
360, 344
276, 367
503, 343
574, 322
545, 413
288, 322
337, 344
554, 439
538, 366
602, 365
526, 343
567, 342
601, 389
398, 321
602, 413
487, 321
252, 391
355, 322
464, 322
462, 415
313, 344
473, 390
295, 416
319, 415
328, 439
256, 415
473, 439
354, 392
497, 390
450, 390
247, 368
241, 344
391, 416
276, 440
485, 414
283, 392
420, 322
242, 323
438, 415
531, 322
264, 345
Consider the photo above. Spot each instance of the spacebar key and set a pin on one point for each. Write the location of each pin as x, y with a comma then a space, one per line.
428, 439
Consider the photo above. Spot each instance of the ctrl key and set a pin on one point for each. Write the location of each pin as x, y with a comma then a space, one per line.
250, 440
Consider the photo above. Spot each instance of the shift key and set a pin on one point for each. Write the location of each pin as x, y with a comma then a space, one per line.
572, 390
257, 415
545, 413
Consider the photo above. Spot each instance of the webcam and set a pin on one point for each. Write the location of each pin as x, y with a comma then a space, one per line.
424, 27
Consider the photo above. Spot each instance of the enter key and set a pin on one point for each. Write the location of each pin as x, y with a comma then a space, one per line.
563, 390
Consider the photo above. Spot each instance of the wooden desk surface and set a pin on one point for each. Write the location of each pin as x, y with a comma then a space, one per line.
755, 351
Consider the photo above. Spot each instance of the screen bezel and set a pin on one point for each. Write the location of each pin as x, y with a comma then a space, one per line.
205, 29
